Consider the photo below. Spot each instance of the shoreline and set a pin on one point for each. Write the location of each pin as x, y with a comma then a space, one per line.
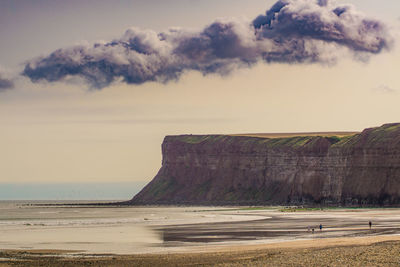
229, 205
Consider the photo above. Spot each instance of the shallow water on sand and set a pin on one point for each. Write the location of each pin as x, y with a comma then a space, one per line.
130, 230
122, 230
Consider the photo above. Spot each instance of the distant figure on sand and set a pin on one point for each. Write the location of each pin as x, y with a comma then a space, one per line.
320, 227
370, 224
313, 230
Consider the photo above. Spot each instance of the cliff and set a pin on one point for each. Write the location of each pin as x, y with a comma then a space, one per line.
362, 169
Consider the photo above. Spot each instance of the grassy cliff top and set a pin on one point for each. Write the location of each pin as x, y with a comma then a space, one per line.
275, 138
288, 135
298, 139
373, 136
294, 142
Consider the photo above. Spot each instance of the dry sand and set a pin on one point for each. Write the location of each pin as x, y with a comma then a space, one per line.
356, 251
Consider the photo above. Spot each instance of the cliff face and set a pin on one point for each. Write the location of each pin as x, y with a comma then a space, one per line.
221, 170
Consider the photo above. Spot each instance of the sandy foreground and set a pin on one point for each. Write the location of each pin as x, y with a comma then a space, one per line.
348, 251
198, 237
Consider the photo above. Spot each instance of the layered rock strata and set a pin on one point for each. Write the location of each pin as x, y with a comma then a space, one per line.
362, 169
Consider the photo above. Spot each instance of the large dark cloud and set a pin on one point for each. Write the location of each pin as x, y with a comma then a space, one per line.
291, 31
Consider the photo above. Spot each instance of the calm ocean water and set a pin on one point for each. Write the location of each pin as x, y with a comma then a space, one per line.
70, 191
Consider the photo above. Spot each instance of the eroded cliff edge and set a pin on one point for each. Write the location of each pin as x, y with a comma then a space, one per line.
363, 169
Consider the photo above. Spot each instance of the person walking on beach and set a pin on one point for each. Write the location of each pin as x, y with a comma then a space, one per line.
320, 227
370, 224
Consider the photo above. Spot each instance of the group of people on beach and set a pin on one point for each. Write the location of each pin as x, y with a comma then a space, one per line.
320, 227
312, 229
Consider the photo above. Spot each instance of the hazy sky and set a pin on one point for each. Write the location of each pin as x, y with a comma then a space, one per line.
63, 131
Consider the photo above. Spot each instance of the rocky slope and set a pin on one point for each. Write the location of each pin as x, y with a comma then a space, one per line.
362, 169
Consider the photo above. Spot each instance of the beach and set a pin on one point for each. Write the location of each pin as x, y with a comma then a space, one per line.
35, 235
364, 251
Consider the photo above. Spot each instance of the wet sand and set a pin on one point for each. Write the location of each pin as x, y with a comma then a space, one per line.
281, 226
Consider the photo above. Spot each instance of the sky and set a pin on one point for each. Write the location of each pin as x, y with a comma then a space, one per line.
97, 109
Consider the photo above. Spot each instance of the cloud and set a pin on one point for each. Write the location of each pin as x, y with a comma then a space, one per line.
5, 83
291, 31
385, 89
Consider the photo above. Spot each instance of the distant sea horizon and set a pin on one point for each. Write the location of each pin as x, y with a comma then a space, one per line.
70, 191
